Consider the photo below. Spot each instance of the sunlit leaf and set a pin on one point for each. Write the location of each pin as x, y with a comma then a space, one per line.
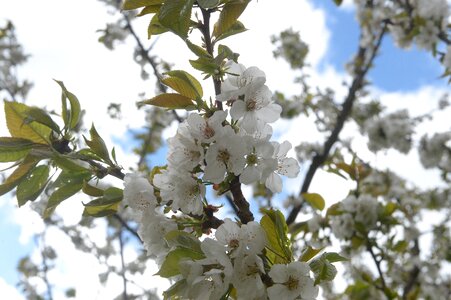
273, 222
229, 15
184, 83
35, 114
309, 253
133, 4
71, 116
107, 205
18, 174
15, 114
199, 51
151, 9
91, 190
315, 200
170, 266
323, 269
177, 238
155, 27
169, 100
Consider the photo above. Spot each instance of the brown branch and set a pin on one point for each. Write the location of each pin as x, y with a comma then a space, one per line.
205, 29
413, 274
377, 262
362, 67
239, 200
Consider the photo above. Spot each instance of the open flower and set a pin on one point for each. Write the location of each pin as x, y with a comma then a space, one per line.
291, 281
257, 106
240, 80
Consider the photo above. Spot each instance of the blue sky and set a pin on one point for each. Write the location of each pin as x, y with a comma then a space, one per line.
395, 71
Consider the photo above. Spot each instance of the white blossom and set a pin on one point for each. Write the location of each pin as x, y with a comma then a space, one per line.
292, 281
138, 192
227, 154
257, 106
206, 130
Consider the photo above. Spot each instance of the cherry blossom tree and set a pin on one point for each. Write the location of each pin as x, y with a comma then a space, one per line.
224, 142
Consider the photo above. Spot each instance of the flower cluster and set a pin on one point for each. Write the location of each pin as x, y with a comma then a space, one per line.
362, 210
391, 131
435, 151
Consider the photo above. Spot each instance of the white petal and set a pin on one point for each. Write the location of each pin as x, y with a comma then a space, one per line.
289, 167
250, 174
274, 183
270, 113
238, 109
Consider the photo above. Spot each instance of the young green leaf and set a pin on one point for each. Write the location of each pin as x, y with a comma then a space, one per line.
18, 174
323, 269
35, 114
177, 238
235, 28
309, 253
170, 101
176, 15
151, 9
315, 200
91, 190
13, 149
133, 4
199, 51
155, 27
71, 117
102, 207
176, 289
33, 185
229, 15
97, 145
170, 266
16, 121
273, 222
184, 83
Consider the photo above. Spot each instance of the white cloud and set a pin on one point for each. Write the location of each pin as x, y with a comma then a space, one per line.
9, 292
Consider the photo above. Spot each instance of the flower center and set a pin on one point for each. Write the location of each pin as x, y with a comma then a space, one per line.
223, 156
292, 283
251, 105
208, 132
234, 243
252, 159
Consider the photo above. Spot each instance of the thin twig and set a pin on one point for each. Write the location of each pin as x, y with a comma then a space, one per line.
121, 252
127, 227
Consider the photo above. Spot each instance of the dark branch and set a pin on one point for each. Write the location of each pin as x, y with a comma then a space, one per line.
359, 79
126, 226
239, 200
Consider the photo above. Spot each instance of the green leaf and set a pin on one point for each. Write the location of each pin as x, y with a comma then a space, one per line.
170, 266
176, 15
169, 100
71, 117
72, 184
177, 238
151, 9
199, 51
184, 83
235, 28
175, 289
91, 190
206, 65
67, 164
107, 205
315, 200
35, 114
323, 269
133, 4
334, 257
229, 15
309, 253
13, 149
208, 3
16, 121
33, 185
273, 222
97, 145
18, 174
155, 27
